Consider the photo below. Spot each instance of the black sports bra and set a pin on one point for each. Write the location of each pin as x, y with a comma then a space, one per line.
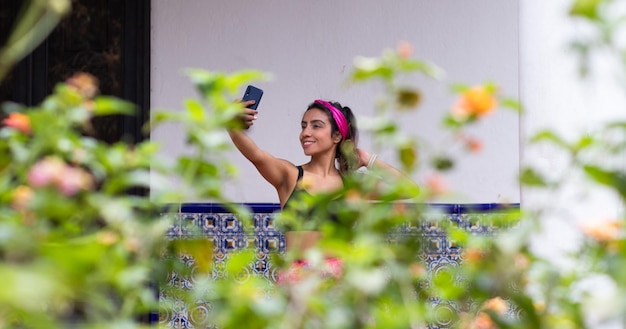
299, 192
296, 189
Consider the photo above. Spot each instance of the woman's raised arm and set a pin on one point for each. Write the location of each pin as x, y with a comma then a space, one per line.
273, 169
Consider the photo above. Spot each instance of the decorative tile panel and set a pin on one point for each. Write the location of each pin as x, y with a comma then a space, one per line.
227, 232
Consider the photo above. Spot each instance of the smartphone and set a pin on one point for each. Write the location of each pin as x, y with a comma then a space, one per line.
253, 93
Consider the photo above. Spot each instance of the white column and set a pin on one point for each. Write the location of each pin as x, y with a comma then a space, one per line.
555, 97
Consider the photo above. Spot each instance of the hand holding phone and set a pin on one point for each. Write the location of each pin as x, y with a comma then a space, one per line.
253, 93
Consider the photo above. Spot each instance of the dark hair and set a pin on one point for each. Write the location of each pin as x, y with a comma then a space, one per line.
345, 153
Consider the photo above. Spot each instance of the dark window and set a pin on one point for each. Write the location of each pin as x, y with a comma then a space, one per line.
107, 38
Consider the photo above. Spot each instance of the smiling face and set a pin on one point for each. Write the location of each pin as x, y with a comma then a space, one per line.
316, 136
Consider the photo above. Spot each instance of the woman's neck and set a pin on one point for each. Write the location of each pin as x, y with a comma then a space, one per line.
322, 166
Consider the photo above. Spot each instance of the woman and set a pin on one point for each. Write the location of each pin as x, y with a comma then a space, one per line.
329, 135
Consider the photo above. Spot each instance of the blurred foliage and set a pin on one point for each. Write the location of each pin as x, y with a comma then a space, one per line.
36, 20
78, 250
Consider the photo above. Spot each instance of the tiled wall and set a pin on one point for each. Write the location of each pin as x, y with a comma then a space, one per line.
227, 233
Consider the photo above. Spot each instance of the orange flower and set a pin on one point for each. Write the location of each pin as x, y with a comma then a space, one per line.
436, 184
521, 261
405, 49
603, 231
353, 196
22, 196
476, 101
497, 305
132, 244
472, 255
399, 208
84, 83
18, 121
108, 238
417, 270
482, 321
474, 145
470, 143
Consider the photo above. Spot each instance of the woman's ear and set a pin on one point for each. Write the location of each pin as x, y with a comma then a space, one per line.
337, 138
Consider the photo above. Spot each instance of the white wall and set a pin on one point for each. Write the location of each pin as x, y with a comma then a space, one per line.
557, 98
309, 48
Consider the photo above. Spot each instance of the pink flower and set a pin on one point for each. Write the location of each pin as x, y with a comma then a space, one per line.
74, 180
52, 171
46, 172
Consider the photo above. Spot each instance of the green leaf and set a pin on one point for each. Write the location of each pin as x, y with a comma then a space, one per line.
408, 98
600, 175
617, 125
530, 177
25, 284
133, 179
162, 116
203, 80
10, 107
195, 110
209, 83
583, 143
550, 136
443, 163
422, 67
450, 122
408, 156
586, 8
366, 68
459, 87
105, 105
191, 166
614, 179
525, 305
491, 87
238, 79
199, 248
511, 103
363, 75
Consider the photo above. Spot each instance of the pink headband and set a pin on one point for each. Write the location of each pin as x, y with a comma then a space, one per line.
340, 119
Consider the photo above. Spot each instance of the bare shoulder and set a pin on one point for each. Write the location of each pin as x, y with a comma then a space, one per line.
289, 169
288, 181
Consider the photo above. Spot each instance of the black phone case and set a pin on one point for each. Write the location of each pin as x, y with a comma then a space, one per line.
253, 93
